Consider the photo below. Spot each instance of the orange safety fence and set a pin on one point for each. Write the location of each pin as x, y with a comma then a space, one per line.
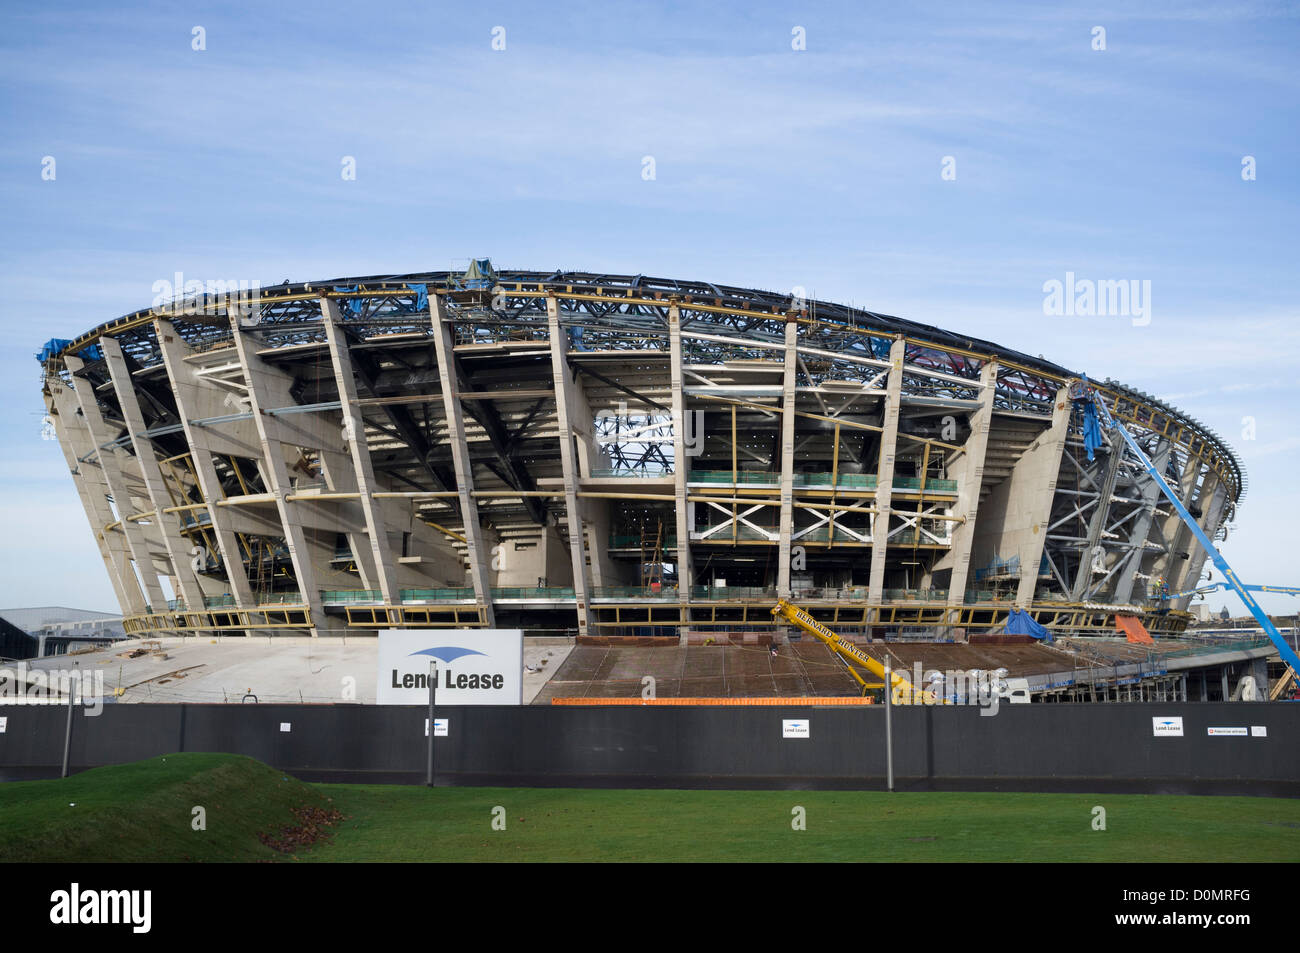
1132, 626
799, 700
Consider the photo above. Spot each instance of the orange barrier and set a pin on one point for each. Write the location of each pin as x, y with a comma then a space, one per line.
800, 700
1132, 626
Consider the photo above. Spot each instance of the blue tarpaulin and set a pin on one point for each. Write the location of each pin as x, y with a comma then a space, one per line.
1082, 396
421, 296
1020, 623
354, 304
52, 346
1092, 438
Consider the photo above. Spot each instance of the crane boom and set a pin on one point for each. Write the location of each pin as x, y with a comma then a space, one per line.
1285, 590
1104, 415
904, 692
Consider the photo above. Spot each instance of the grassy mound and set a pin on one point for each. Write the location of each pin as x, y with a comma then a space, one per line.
145, 812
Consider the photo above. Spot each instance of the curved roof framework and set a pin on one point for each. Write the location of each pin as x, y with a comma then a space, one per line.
353, 445
388, 304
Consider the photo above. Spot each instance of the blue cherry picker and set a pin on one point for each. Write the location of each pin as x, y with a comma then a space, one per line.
1095, 416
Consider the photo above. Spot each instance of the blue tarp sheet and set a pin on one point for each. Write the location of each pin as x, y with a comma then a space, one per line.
1092, 438
1020, 623
354, 305
52, 346
421, 296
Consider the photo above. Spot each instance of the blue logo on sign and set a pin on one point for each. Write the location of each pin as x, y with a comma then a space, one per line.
447, 653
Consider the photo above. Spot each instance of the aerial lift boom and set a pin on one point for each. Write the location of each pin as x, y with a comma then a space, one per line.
1089, 395
1286, 590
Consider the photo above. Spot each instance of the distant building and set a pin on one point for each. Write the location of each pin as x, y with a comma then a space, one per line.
55, 630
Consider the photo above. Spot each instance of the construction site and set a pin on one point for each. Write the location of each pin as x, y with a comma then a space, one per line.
736, 493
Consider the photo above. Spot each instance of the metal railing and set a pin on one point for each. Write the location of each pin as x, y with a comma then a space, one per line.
634, 540
634, 592
741, 532
445, 594
631, 474
532, 592
733, 592
864, 481
915, 595
347, 597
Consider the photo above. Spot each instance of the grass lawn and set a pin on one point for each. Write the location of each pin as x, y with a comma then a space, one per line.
143, 812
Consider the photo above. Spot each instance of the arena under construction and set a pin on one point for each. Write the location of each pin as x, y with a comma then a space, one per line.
614, 457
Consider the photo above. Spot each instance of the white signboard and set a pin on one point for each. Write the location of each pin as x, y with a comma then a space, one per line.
285, 726
1167, 727
795, 728
439, 727
472, 666
4, 723
1234, 732
1256, 731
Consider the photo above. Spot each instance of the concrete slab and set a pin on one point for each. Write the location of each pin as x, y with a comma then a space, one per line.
281, 669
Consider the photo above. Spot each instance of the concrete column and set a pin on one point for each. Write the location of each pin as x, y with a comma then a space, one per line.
1141, 528
563, 399
890, 406
363, 473
1179, 573
1042, 466
188, 582
1101, 513
1172, 528
788, 398
1212, 512
478, 563
970, 480
275, 444
75, 442
681, 464
113, 476
199, 399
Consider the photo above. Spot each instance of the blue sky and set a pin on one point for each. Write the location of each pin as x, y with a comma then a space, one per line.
774, 168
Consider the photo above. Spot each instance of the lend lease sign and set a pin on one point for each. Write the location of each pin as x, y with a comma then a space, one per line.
473, 666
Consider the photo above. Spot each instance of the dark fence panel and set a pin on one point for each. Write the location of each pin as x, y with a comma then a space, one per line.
1022, 745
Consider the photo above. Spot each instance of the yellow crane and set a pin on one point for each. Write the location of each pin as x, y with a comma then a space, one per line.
904, 692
